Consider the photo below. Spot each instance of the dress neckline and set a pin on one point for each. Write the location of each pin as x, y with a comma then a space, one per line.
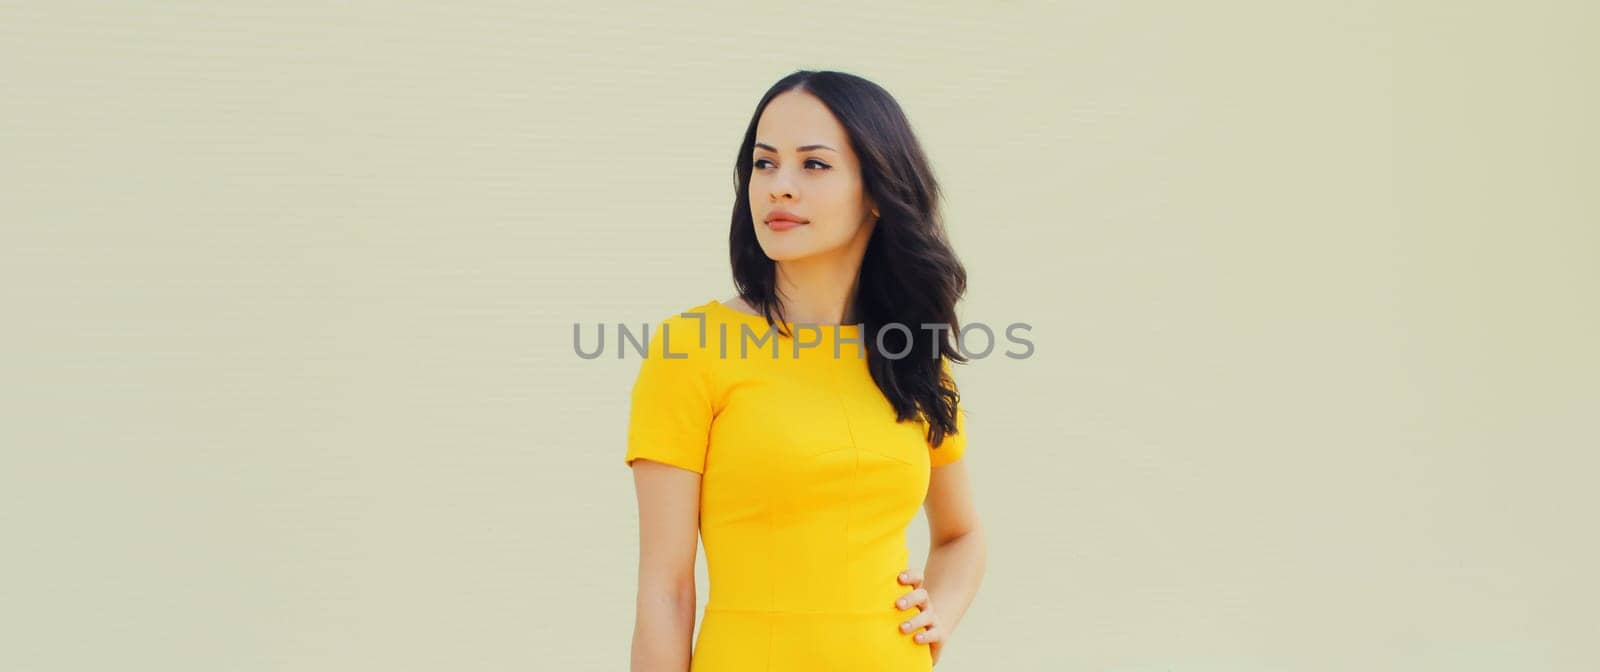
761, 321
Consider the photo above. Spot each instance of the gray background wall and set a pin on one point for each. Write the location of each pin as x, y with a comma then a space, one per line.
289, 291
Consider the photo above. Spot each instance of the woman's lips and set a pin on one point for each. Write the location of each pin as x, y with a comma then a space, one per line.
782, 224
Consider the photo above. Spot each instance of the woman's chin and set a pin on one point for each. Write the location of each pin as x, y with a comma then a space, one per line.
787, 252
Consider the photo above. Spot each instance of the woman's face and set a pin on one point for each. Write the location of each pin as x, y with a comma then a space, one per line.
803, 163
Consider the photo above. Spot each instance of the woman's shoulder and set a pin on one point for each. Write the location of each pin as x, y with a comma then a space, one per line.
732, 311
683, 332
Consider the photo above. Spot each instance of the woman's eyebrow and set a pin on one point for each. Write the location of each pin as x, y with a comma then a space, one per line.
802, 148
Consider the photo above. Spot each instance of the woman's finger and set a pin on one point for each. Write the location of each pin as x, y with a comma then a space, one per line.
911, 576
913, 598
934, 633
922, 619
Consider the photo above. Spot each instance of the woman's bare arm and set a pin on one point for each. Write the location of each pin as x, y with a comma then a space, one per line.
669, 531
957, 553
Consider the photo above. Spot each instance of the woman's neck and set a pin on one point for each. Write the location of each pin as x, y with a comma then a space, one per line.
818, 290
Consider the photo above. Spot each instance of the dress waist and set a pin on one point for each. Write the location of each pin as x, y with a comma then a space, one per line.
759, 640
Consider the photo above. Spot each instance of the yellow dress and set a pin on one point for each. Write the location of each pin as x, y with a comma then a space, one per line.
807, 487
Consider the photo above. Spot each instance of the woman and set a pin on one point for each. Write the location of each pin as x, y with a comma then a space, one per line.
800, 450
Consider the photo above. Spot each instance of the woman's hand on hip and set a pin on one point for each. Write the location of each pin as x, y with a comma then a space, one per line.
932, 632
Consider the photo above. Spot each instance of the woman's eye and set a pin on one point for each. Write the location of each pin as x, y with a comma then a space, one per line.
822, 166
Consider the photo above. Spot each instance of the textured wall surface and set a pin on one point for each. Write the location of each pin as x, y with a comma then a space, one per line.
288, 293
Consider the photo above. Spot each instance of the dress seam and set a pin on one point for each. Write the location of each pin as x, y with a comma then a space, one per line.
772, 584
732, 610
855, 473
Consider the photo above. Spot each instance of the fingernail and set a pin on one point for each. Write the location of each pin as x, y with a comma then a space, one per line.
905, 626
901, 603
903, 577
919, 636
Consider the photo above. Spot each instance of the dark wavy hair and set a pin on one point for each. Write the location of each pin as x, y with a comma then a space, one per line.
909, 276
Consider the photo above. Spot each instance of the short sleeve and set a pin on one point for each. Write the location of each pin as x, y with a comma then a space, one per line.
954, 445
670, 412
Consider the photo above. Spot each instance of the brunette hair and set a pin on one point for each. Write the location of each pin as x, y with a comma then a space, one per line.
910, 275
